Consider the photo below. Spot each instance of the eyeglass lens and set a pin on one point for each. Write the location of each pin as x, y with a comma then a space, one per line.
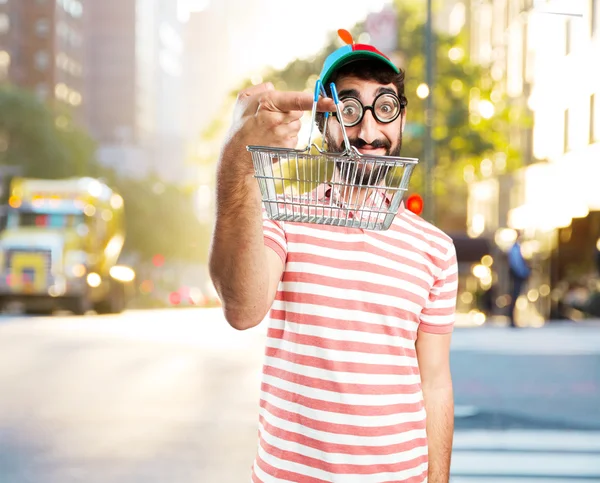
386, 108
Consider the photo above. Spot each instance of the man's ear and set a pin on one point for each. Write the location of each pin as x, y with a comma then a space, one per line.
404, 119
320, 121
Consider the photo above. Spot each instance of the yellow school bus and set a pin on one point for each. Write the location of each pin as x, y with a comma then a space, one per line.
60, 247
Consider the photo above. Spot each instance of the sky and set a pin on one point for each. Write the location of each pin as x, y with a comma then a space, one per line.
278, 31
312, 21
252, 35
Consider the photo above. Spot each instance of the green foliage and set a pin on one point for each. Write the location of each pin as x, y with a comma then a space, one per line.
164, 223
43, 141
160, 219
462, 137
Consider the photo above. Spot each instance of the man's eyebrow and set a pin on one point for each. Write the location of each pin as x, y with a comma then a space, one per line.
386, 90
348, 93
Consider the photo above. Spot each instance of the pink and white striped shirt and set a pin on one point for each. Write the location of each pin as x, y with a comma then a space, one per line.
341, 398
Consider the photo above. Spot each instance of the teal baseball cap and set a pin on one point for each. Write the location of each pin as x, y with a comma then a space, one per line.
350, 53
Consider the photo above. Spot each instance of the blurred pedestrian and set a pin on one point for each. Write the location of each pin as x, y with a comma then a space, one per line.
598, 256
356, 382
519, 271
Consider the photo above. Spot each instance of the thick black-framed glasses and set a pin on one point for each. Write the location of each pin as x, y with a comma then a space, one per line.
385, 109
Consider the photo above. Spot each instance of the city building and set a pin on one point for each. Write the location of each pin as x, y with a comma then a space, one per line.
543, 54
135, 86
111, 83
205, 69
42, 48
213, 69
166, 129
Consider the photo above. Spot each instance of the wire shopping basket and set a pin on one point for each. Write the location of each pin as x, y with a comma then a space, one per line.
346, 189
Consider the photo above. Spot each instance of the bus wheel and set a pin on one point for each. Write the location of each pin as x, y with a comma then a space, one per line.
115, 302
79, 305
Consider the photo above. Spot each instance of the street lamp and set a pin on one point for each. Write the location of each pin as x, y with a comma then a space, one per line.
429, 211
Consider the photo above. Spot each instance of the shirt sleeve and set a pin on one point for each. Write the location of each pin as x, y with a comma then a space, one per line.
274, 236
439, 313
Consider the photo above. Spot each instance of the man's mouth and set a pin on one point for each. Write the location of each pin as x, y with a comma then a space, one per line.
377, 147
368, 149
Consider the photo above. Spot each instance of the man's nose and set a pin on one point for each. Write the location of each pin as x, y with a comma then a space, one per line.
368, 128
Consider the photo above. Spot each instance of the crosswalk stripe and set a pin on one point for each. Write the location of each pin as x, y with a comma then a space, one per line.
546, 341
487, 463
524, 440
525, 456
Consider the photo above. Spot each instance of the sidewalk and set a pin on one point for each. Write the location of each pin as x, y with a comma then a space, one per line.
464, 320
554, 337
525, 456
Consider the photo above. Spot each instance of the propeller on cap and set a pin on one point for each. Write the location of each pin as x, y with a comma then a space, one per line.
346, 36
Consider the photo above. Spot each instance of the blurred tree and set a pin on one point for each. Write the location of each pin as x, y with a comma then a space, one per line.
45, 142
472, 118
160, 219
40, 139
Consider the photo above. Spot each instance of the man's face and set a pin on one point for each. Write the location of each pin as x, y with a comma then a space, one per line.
370, 137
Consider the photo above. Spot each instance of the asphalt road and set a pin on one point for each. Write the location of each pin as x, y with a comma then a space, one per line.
171, 397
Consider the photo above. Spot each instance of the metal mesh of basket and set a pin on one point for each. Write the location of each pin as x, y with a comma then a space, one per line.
338, 189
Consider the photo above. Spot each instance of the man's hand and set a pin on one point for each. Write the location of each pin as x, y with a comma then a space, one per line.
266, 117
244, 271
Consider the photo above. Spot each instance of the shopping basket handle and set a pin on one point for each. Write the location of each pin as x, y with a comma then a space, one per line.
313, 116
324, 94
339, 116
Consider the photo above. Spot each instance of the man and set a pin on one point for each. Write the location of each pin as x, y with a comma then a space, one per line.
519, 272
359, 321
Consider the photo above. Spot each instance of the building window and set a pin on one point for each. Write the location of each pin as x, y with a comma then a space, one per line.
74, 39
527, 5
41, 60
514, 60
42, 27
4, 64
64, 62
594, 12
42, 91
76, 9
4, 59
75, 98
73, 7
568, 43
566, 132
4, 23
594, 118
575, 34
66, 94
61, 91
62, 29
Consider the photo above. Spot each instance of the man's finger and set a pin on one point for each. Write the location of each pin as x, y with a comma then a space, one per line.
293, 101
257, 89
248, 98
326, 105
274, 118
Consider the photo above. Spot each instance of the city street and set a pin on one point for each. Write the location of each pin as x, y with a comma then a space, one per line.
171, 396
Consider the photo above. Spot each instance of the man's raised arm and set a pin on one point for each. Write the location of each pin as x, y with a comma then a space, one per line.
245, 272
